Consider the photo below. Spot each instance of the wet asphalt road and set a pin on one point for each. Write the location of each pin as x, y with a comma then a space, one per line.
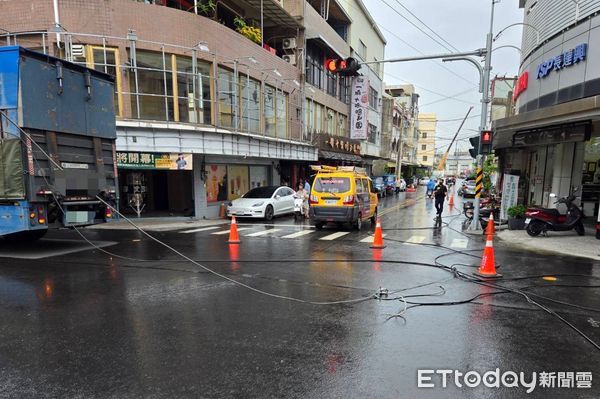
79, 323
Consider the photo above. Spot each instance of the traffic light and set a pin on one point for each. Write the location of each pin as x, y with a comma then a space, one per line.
475, 144
486, 141
346, 67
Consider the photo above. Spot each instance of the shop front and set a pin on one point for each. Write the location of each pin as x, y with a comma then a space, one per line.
155, 184
339, 151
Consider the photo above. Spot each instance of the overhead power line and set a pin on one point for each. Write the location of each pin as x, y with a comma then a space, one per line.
429, 90
427, 26
470, 81
451, 97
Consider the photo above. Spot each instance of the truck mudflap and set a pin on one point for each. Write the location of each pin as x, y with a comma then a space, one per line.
21, 216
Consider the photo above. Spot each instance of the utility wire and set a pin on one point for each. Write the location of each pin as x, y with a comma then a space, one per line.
427, 26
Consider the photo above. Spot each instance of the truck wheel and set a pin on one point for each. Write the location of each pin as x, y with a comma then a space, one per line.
25, 236
319, 225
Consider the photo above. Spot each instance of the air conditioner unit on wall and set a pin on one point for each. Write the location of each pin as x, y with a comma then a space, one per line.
291, 58
289, 43
78, 51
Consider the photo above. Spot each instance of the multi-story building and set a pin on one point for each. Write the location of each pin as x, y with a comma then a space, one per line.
458, 164
405, 117
426, 141
367, 44
210, 97
552, 143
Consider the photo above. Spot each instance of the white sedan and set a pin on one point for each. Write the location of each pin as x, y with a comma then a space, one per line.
263, 202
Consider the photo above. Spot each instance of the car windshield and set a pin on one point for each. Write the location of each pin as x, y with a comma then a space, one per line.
261, 192
332, 184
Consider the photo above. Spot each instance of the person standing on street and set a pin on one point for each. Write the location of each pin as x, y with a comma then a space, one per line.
440, 193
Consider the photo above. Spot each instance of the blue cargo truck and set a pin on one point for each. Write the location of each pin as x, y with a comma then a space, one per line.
57, 144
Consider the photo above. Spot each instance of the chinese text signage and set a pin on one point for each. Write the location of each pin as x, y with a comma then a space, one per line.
359, 108
149, 160
510, 193
564, 60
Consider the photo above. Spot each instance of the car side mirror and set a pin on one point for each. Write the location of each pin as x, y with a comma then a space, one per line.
277, 196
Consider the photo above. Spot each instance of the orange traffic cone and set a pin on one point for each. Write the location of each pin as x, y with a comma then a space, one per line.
234, 238
490, 230
451, 201
488, 263
378, 238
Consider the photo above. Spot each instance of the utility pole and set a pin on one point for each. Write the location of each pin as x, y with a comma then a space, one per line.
485, 100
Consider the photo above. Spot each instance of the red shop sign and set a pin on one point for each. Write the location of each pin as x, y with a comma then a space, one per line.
521, 85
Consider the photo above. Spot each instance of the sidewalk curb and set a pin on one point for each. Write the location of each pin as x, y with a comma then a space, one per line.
525, 245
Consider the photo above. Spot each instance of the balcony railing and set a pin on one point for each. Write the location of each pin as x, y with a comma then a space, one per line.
172, 83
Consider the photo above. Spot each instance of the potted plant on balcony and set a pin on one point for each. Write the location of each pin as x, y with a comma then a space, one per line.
206, 8
251, 32
516, 220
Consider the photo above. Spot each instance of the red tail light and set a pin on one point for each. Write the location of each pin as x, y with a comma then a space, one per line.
349, 200
313, 200
108, 213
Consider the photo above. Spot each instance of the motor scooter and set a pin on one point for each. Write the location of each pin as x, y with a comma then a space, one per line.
299, 209
542, 220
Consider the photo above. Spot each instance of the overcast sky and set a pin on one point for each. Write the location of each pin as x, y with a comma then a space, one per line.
464, 25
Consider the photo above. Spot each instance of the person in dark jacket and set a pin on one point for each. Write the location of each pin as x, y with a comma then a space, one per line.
440, 192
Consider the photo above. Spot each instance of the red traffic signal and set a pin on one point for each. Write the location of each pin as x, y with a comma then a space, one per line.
348, 66
486, 141
486, 137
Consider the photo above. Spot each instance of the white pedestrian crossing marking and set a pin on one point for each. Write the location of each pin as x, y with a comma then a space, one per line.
415, 239
370, 239
299, 234
333, 236
220, 233
459, 243
262, 233
199, 230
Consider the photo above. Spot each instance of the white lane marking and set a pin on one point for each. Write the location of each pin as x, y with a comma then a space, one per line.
299, 234
415, 240
304, 226
333, 236
459, 243
262, 233
370, 239
220, 233
201, 229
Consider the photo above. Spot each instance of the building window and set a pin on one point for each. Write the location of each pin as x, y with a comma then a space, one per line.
250, 96
372, 134
315, 59
373, 98
318, 124
424, 135
154, 87
341, 125
362, 50
332, 82
107, 60
269, 111
227, 103
330, 122
281, 116
193, 91
424, 147
424, 158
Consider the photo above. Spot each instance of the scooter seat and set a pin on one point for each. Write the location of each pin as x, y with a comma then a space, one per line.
552, 211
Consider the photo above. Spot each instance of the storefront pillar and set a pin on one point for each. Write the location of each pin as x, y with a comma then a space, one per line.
200, 203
